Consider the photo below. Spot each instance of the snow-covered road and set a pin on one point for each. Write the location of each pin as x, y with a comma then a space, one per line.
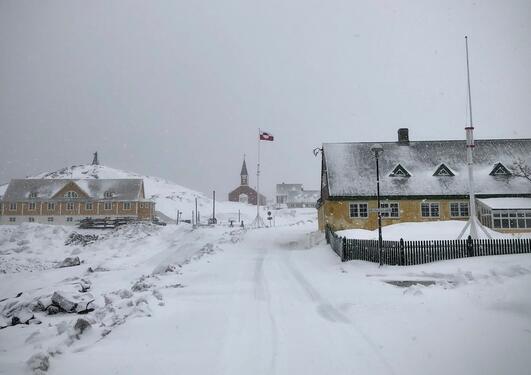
278, 301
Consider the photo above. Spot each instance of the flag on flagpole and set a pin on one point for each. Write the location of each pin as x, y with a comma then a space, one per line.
264, 136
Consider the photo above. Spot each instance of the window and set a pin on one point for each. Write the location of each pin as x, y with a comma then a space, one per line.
69, 219
12, 206
51, 206
70, 206
108, 194
394, 207
399, 171
429, 209
127, 205
358, 210
511, 219
443, 171
71, 194
50, 219
142, 205
32, 206
31, 219
12, 219
459, 209
107, 206
33, 194
88, 206
500, 170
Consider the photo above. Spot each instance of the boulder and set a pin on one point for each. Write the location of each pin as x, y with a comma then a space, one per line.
52, 310
84, 307
22, 316
69, 262
63, 302
81, 325
39, 361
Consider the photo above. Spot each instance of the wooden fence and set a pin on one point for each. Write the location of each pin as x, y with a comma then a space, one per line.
406, 253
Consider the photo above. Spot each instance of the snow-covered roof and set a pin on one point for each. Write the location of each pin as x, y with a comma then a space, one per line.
507, 203
45, 189
284, 189
305, 196
352, 172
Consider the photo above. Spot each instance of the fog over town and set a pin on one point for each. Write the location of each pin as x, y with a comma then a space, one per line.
179, 89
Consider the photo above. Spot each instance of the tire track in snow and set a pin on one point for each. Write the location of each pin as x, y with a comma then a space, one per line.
327, 311
262, 293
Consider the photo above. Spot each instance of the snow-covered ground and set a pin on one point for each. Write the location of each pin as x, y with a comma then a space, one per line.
435, 230
266, 301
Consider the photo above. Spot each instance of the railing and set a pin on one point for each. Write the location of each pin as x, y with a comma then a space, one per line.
406, 253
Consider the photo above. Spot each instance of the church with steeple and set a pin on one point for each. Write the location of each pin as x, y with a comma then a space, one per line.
244, 193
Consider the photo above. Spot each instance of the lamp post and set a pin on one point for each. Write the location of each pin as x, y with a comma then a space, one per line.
377, 149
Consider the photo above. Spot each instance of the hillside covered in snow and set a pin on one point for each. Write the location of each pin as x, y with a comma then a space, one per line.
169, 197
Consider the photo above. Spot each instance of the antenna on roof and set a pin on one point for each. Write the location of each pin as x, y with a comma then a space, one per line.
473, 221
95, 159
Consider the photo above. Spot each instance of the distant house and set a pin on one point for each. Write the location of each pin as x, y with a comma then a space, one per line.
420, 181
294, 196
66, 201
244, 193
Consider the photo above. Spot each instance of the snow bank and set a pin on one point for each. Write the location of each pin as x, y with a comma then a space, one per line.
435, 230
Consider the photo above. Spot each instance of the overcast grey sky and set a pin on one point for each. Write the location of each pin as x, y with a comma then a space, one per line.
178, 89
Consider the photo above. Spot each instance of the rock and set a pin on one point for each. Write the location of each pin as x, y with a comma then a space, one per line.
52, 310
84, 286
64, 303
34, 321
81, 325
39, 362
124, 293
141, 286
22, 316
69, 262
83, 307
80, 239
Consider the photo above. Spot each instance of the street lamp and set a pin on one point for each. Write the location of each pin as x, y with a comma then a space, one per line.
377, 150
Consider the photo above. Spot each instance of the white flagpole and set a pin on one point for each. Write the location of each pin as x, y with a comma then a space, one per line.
258, 184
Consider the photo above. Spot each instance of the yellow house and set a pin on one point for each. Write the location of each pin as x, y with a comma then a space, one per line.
67, 201
419, 180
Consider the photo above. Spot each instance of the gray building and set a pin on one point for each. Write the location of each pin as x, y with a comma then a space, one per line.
294, 196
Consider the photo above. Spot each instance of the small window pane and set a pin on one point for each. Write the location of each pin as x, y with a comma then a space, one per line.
363, 210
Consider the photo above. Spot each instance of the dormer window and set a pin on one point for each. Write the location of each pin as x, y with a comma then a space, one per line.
33, 195
500, 170
400, 171
108, 194
443, 171
71, 194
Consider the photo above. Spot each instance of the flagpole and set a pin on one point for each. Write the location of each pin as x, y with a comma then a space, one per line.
258, 185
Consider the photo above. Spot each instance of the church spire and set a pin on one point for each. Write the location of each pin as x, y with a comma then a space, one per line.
243, 174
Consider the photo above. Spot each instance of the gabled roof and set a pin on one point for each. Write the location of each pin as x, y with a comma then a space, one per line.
399, 171
443, 171
352, 173
500, 170
123, 189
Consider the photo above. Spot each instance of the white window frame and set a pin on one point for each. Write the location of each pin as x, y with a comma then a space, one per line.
50, 219
430, 210
12, 206
388, 205
31, 219
70, 206
459, 209
105, 204
127, 206
89, 206
108, 194
69, 219
32, 206
51, 206
71, 194
358, 214
33, 195
12, 219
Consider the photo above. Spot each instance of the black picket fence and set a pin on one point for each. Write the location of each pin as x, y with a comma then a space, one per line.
406, 253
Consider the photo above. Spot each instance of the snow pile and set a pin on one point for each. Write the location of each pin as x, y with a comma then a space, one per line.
425, 231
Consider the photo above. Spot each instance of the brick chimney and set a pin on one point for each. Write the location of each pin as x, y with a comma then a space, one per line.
403, 136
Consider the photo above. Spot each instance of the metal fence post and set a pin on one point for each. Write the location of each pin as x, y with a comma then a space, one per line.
470, 246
